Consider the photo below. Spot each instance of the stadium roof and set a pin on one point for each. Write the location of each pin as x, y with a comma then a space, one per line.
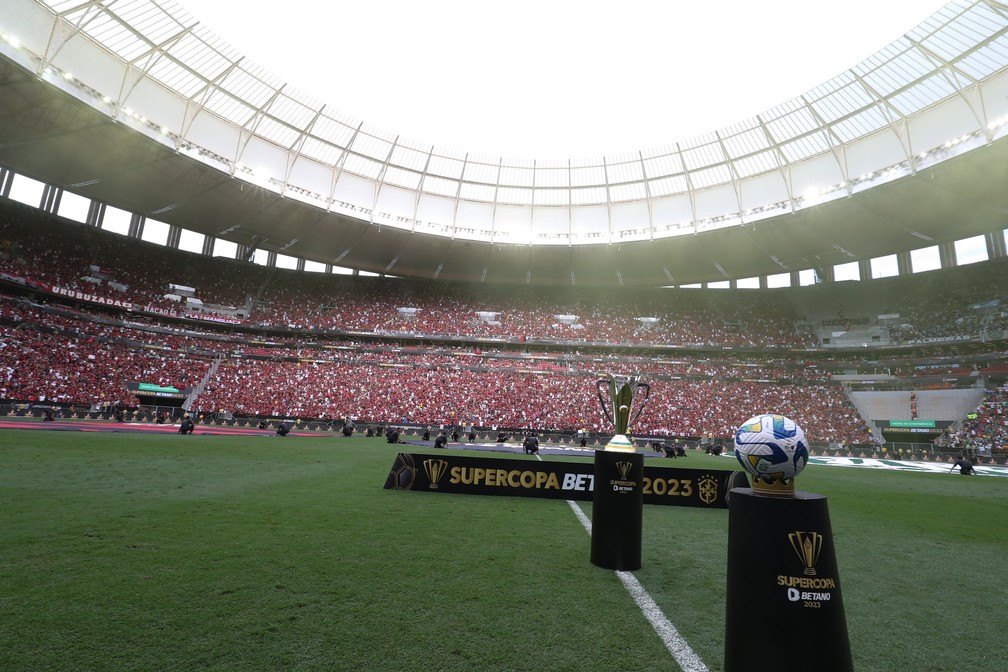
135, 104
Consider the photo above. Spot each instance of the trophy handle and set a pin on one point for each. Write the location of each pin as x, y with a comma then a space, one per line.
600, 387
643, 402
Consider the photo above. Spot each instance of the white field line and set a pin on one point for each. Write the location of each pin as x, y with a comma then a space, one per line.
688, 660
684, 655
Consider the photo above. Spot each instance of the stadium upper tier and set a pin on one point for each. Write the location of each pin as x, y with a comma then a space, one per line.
65, 261
180, 127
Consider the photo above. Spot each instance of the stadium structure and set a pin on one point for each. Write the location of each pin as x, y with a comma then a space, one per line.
165, 198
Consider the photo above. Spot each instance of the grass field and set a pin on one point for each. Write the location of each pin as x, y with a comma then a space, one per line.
160, 552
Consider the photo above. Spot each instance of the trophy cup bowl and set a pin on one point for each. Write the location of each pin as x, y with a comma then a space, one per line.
616, 394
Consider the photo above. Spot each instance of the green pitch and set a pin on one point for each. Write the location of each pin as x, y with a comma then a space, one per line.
160, 552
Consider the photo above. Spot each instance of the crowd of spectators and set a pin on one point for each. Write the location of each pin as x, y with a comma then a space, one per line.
55, 355
985, 431
383, 307
57, 367
417, 390
53, 254
283, 361
970, 303
397, 387
108, 327
50, 252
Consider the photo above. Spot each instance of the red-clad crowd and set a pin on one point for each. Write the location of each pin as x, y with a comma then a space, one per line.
281, 362
47, 251
414, 390
530, 314
40, 366
50, 354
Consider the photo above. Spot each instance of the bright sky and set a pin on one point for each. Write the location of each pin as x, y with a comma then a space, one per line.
556, 78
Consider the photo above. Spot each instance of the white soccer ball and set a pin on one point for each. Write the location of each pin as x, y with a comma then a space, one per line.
771, 447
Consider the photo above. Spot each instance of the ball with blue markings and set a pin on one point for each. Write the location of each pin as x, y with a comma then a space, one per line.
771, 447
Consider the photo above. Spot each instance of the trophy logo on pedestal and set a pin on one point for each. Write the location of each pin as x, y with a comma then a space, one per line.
617, 394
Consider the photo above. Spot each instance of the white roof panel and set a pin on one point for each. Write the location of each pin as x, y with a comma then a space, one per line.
963, 43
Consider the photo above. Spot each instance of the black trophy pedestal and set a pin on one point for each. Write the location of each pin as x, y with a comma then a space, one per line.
617, 510
784, 610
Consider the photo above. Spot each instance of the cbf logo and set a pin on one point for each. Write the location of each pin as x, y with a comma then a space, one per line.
436, 469
708, 489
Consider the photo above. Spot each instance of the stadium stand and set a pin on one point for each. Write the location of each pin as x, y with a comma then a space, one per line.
381, 350
984, 432
932, 404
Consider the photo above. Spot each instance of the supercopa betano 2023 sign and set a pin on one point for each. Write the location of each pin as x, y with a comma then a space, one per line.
553, 480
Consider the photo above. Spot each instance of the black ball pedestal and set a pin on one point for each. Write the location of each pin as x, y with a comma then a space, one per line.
784, 609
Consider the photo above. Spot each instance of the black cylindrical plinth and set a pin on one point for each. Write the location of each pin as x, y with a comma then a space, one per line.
784, 610
617, 510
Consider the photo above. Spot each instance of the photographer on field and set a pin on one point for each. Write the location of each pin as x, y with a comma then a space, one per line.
531, 444
965, 467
